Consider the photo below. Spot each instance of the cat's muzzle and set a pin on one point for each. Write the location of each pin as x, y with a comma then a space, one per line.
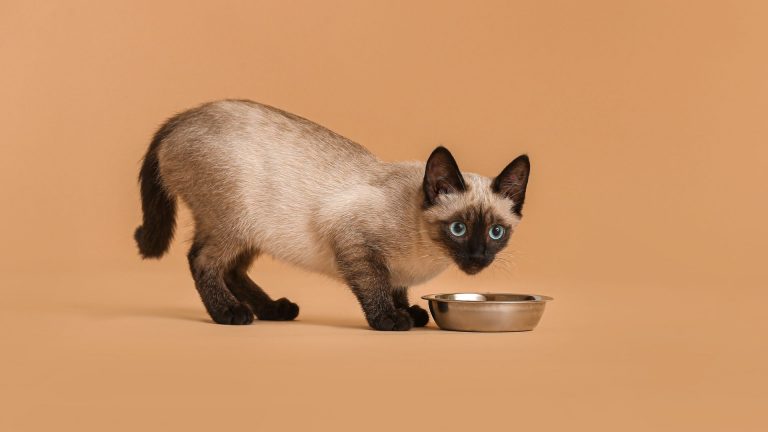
473, 265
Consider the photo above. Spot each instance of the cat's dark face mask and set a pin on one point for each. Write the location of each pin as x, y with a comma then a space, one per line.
473, 238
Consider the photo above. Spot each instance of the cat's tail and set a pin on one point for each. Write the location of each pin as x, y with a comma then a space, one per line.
154, 236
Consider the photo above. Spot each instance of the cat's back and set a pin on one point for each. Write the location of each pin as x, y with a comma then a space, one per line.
240, 143
245, 128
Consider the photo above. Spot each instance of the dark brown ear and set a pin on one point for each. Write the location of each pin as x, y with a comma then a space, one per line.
513, 181
442, 176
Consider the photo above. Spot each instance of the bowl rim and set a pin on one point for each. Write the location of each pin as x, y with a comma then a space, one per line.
538, 298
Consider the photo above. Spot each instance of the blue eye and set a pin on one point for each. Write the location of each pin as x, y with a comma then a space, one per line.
496, 232
458, 229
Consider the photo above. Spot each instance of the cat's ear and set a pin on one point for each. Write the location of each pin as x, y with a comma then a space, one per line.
442, 176
513, 181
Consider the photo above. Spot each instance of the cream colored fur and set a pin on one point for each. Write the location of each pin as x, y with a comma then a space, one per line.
257, 177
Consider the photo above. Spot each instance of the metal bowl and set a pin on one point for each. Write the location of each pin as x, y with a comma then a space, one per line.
486, 312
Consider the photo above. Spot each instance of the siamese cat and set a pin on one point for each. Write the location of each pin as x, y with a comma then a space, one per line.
259, 180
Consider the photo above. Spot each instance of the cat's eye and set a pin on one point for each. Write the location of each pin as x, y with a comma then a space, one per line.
496, 232
458, 229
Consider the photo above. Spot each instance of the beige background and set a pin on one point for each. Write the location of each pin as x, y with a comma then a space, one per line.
646, 217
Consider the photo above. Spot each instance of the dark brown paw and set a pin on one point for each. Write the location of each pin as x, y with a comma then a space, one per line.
419, 316
238, 314
279, 310
398, 320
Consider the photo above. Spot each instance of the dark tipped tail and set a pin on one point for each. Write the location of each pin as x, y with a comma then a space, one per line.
154, 236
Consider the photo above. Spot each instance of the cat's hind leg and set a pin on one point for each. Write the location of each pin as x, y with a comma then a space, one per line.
246, 290
418, 314
205, 263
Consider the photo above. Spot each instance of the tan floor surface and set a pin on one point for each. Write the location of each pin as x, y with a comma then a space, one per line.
135, 351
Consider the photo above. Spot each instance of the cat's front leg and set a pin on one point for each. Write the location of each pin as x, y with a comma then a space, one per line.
365, 271
419, 316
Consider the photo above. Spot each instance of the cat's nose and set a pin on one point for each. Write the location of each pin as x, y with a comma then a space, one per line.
478, 256
477, 259
473, 265
475, 248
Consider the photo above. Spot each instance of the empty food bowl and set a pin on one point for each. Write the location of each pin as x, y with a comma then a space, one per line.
486, 312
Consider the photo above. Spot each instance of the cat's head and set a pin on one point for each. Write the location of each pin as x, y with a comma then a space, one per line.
470, 216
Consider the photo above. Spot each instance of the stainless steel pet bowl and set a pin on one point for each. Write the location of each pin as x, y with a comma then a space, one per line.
486, 312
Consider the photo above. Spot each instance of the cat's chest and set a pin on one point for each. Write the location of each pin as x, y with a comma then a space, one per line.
415, 269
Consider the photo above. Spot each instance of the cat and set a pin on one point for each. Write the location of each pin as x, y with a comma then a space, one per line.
261, 180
